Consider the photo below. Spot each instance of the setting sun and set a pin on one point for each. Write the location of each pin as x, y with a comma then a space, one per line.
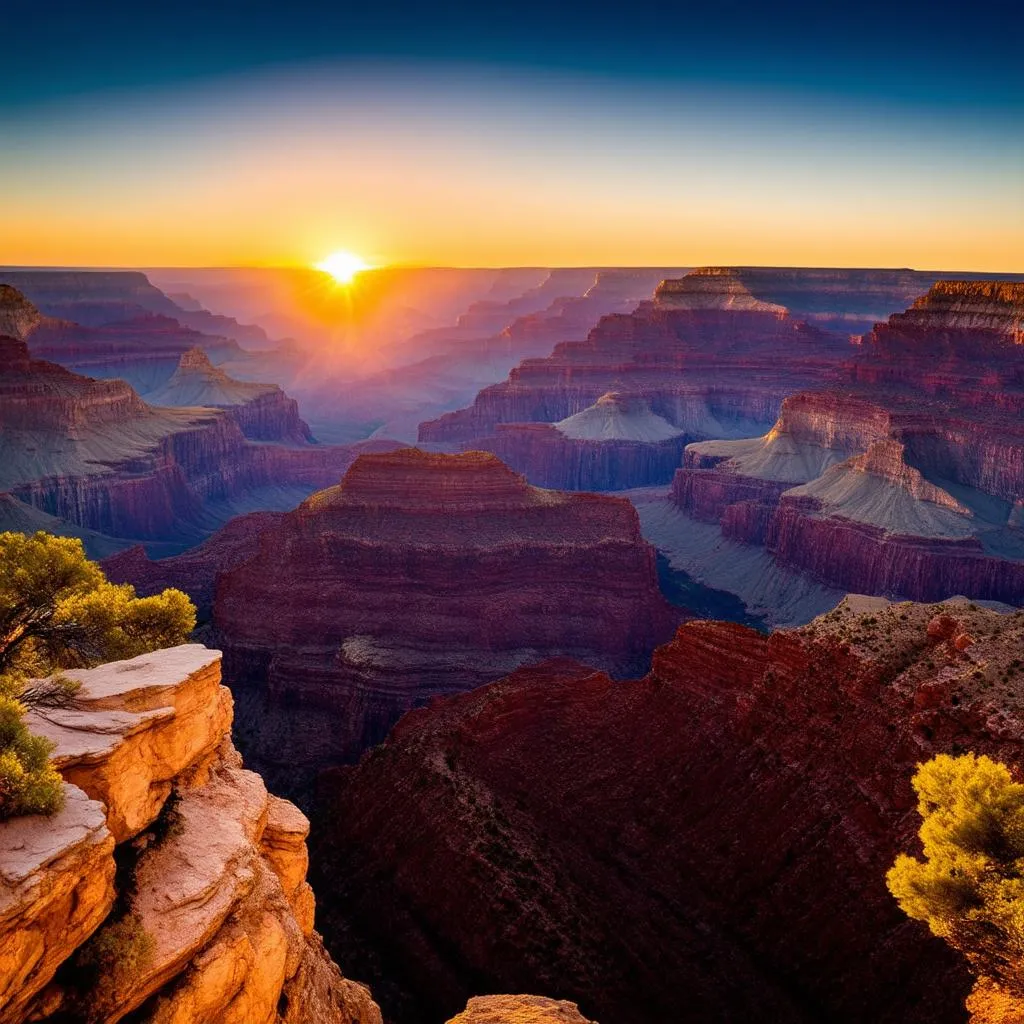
343, 266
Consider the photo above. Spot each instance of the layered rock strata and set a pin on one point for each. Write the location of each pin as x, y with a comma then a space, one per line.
262, 411
707, 356
93, 454
615, 444
208, 868
422, 574
720, 828
904, 482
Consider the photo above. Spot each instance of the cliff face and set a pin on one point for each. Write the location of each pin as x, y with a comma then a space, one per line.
422, 574
904, 482
705, 354
144, 351
720, 828
164, 838
262, 411
614, 444
92, 453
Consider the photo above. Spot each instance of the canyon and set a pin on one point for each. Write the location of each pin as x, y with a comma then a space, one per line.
94, 456
905, 479
418, 575
171, 887
720, 827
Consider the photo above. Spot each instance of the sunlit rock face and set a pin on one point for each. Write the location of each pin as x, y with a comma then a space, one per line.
720, 828
422, 574
905, 481
705, 353
162, 823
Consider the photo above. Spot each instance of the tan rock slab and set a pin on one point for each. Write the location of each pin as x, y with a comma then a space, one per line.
519, 1010
56, 887
138, 726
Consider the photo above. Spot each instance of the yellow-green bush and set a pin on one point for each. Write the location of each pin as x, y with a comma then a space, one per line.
108, 965
29, 784
969, 888
57, 610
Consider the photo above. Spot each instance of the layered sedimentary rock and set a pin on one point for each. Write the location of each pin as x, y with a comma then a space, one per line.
841, 299
263, 411
906, 480
93, 454
614, 444
99, 298
707, 843
193, 571
206, 888
145, 351
519, 1010
422, 574
705, 354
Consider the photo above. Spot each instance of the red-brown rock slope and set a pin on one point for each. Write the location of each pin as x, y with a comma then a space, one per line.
707, 843
423, 574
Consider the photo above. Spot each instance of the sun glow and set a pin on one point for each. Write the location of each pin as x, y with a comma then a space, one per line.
343, 266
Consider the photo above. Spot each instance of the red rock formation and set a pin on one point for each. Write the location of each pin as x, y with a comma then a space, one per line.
614, 444
194, 571
704, 353
935, 402
423, 574
720, 828
262, 411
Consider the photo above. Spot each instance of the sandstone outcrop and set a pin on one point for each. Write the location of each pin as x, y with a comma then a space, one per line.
422, 574
210, 869
56, 887
719, 828
519, 1010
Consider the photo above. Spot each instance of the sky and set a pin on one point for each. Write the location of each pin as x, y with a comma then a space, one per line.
471, 134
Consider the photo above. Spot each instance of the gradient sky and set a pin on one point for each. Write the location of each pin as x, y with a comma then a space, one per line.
886, 134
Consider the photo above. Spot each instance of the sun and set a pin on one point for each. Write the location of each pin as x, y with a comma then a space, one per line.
343, 266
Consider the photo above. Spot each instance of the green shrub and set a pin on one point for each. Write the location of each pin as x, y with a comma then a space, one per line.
29, 784
57, 610
110, 963
969, 888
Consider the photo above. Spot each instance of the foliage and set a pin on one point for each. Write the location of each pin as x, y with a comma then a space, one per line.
57, 611
969, 888
29, 784
110, 962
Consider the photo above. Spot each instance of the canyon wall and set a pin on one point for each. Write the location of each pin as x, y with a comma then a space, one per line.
720, 828
704, 353
906, 481
418, 575
171, 887
92, 453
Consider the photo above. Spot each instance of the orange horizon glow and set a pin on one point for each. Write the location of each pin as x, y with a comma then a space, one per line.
450, 173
